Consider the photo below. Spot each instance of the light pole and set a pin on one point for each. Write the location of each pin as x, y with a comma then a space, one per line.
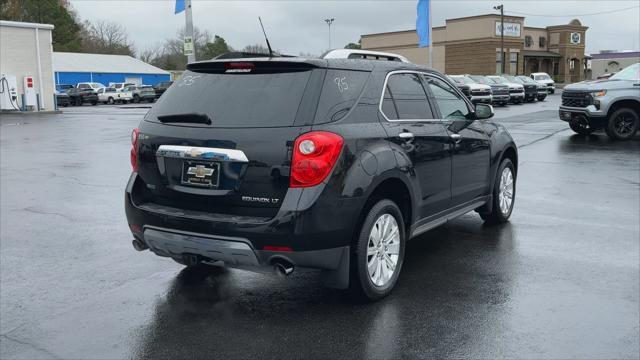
329, 22
501, 8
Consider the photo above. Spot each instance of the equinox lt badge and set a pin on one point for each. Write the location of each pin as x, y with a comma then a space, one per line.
260, 200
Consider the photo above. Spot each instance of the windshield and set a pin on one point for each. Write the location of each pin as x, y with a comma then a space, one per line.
525, 79
498, 79
481, 79
542, 77
631, 72
461, 79
513, 79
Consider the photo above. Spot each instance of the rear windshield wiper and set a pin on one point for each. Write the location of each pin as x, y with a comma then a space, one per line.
188, 118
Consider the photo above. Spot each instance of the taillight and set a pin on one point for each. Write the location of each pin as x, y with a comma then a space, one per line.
134, 149
314, 155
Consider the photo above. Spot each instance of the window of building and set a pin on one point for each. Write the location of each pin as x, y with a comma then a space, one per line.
556, 68
513, 61
542, 41
451, 105
498, 63
405, 98
528, 41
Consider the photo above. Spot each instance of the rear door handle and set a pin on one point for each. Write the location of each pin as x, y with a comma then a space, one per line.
456, 138
406, 135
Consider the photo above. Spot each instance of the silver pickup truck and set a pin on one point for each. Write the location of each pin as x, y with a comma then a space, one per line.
612, 104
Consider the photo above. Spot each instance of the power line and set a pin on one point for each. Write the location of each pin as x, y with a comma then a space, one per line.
577, 15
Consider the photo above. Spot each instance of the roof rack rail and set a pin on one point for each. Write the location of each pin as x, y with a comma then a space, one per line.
363, 55
245, 55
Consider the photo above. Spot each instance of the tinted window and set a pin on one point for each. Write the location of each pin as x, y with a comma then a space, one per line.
236, 100
83, 86
405, 98
340, 92
110, 90
450, 104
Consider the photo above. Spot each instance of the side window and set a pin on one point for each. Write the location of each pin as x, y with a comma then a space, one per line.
340, 92
405, 98
450, 104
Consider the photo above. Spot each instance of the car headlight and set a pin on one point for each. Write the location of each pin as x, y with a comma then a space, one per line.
599, 93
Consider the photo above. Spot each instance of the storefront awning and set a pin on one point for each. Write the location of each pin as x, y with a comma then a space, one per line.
541, 54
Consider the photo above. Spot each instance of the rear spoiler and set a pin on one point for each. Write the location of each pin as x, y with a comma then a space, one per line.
245, 55
252, 65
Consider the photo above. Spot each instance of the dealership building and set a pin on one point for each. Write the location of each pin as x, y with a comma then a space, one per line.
471, 45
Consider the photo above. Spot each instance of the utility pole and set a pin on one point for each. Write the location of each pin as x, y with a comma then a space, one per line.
191, 57
501, 8
329, 22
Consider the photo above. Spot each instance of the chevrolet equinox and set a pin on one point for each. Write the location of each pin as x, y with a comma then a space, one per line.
330, 164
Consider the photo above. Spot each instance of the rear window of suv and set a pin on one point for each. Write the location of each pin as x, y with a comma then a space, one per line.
236, 100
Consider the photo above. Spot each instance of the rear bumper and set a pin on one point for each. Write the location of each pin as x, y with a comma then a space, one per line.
235, 252
303, 232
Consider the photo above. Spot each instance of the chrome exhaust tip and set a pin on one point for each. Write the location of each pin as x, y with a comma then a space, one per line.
283, 268
139, 245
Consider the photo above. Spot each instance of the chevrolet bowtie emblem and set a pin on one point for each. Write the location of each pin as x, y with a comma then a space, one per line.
200, 171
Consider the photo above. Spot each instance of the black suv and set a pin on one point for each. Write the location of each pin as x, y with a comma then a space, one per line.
79, 96
161, 87
368, 154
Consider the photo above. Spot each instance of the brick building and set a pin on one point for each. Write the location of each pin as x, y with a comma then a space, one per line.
472, 45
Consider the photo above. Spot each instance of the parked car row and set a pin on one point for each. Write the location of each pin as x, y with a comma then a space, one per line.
502, 89
95, 93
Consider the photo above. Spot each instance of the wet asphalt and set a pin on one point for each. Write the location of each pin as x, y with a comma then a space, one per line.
560, 280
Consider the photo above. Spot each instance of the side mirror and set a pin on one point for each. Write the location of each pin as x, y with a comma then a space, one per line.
484, 111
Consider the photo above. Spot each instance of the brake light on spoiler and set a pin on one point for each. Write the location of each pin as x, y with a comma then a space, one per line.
239, 67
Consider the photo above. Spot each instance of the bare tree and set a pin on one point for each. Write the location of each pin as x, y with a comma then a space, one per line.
104, 37
151, 54
256, 48
172, 56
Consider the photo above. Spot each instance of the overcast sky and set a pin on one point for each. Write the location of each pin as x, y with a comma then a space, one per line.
298, 26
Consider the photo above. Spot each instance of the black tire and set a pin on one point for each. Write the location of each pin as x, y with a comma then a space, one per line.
136, 99
551, 91
622, 124
497, 216
361, 285
110, 100
581, 128
94, 103
541, 98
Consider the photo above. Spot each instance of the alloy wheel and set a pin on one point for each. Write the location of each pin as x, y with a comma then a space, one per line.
505, 196
623, 124
383, 250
